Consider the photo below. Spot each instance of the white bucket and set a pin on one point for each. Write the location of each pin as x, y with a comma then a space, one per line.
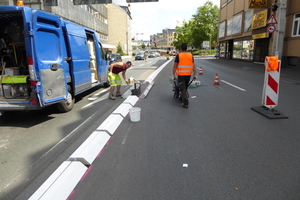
135, 114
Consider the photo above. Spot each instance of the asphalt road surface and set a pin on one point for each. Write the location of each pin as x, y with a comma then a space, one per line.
33, 144
218, 148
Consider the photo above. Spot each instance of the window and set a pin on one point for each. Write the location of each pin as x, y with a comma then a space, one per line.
296, 28
237, 23
237, 49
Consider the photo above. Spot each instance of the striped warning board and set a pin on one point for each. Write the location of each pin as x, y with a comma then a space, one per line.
271, 84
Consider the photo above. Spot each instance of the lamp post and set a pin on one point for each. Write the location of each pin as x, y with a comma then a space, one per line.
279, 33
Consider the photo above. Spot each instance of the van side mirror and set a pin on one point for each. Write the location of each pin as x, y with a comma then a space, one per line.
107, 56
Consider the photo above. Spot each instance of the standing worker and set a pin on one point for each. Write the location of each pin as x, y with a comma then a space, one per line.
115, 80
184, 68
146, 56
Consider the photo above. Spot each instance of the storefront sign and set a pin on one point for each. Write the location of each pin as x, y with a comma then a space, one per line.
260, 36
258, 3
259, 19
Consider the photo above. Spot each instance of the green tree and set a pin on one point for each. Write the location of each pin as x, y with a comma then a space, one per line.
206, 22
183, 34
202, 27
143, 46
120, 50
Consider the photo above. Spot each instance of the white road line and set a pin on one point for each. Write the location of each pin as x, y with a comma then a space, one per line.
234, 86
95, 98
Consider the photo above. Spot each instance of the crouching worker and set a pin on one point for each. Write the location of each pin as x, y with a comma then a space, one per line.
184, 68
115, 80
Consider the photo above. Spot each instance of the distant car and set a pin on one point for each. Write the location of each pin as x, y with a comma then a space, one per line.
140, 55
152, 55
157, 54
115, 57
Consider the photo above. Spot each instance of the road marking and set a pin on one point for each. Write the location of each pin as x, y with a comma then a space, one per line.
95, 98
234, 86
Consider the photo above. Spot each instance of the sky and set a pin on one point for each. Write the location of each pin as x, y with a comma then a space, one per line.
151, 18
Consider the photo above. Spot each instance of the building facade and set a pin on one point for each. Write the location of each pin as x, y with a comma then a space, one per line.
239, 36
119, 29
92, 16
250, 32
164, 40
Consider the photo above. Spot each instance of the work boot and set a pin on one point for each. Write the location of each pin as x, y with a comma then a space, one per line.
118, 94
185, 103
112, 96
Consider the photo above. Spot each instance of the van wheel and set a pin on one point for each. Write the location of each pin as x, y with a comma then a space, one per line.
68, 104
106, 84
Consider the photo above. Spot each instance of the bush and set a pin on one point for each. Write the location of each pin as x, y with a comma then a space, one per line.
205, 51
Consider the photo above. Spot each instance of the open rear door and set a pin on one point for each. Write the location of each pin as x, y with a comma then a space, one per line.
48, 42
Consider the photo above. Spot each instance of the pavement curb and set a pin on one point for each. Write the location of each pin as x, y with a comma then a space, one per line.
64, 179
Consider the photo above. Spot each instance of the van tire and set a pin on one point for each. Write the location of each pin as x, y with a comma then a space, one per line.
68, 104
106, 84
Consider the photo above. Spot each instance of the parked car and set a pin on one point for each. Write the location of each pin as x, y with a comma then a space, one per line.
140, 55
115, 57
157, 54
152, 55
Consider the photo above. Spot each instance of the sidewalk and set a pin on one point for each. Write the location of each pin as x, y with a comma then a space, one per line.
288, 73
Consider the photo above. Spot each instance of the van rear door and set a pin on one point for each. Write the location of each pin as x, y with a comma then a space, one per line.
48, 43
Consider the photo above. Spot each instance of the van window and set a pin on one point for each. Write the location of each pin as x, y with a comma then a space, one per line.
102, 51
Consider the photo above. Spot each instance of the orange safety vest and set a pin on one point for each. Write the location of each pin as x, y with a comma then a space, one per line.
185, 66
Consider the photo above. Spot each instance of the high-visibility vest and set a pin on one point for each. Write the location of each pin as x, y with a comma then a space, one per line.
185, 66
272, 63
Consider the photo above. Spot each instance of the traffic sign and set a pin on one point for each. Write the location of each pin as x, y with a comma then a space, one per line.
272, 20
271, 28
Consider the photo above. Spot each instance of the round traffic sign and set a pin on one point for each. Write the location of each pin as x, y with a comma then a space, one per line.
271, 28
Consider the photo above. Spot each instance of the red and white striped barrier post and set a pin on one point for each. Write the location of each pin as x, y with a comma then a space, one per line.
271, 90
271, 82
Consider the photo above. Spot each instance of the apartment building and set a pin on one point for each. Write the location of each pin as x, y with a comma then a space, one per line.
110, 21
163, 40
119, 29
249, 30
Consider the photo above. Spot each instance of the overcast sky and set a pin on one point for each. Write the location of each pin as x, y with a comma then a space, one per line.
151, 18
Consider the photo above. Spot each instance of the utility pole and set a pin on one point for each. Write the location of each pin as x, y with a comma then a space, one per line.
279, 33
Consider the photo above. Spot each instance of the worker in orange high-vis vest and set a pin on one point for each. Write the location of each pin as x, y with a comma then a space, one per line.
184, 68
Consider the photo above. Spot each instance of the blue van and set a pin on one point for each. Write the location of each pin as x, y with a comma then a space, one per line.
45, 60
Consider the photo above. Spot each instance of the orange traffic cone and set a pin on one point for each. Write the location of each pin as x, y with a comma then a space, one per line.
217, 80
200, 71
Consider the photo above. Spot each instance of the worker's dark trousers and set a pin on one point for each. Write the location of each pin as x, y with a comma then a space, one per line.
183, 83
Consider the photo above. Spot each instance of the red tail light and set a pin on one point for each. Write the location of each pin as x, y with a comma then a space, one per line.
34, 101
33, 83
29, 60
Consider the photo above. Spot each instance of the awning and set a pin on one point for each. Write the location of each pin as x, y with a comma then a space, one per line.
108, 46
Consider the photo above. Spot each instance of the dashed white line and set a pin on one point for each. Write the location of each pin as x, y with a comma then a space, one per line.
233, 85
